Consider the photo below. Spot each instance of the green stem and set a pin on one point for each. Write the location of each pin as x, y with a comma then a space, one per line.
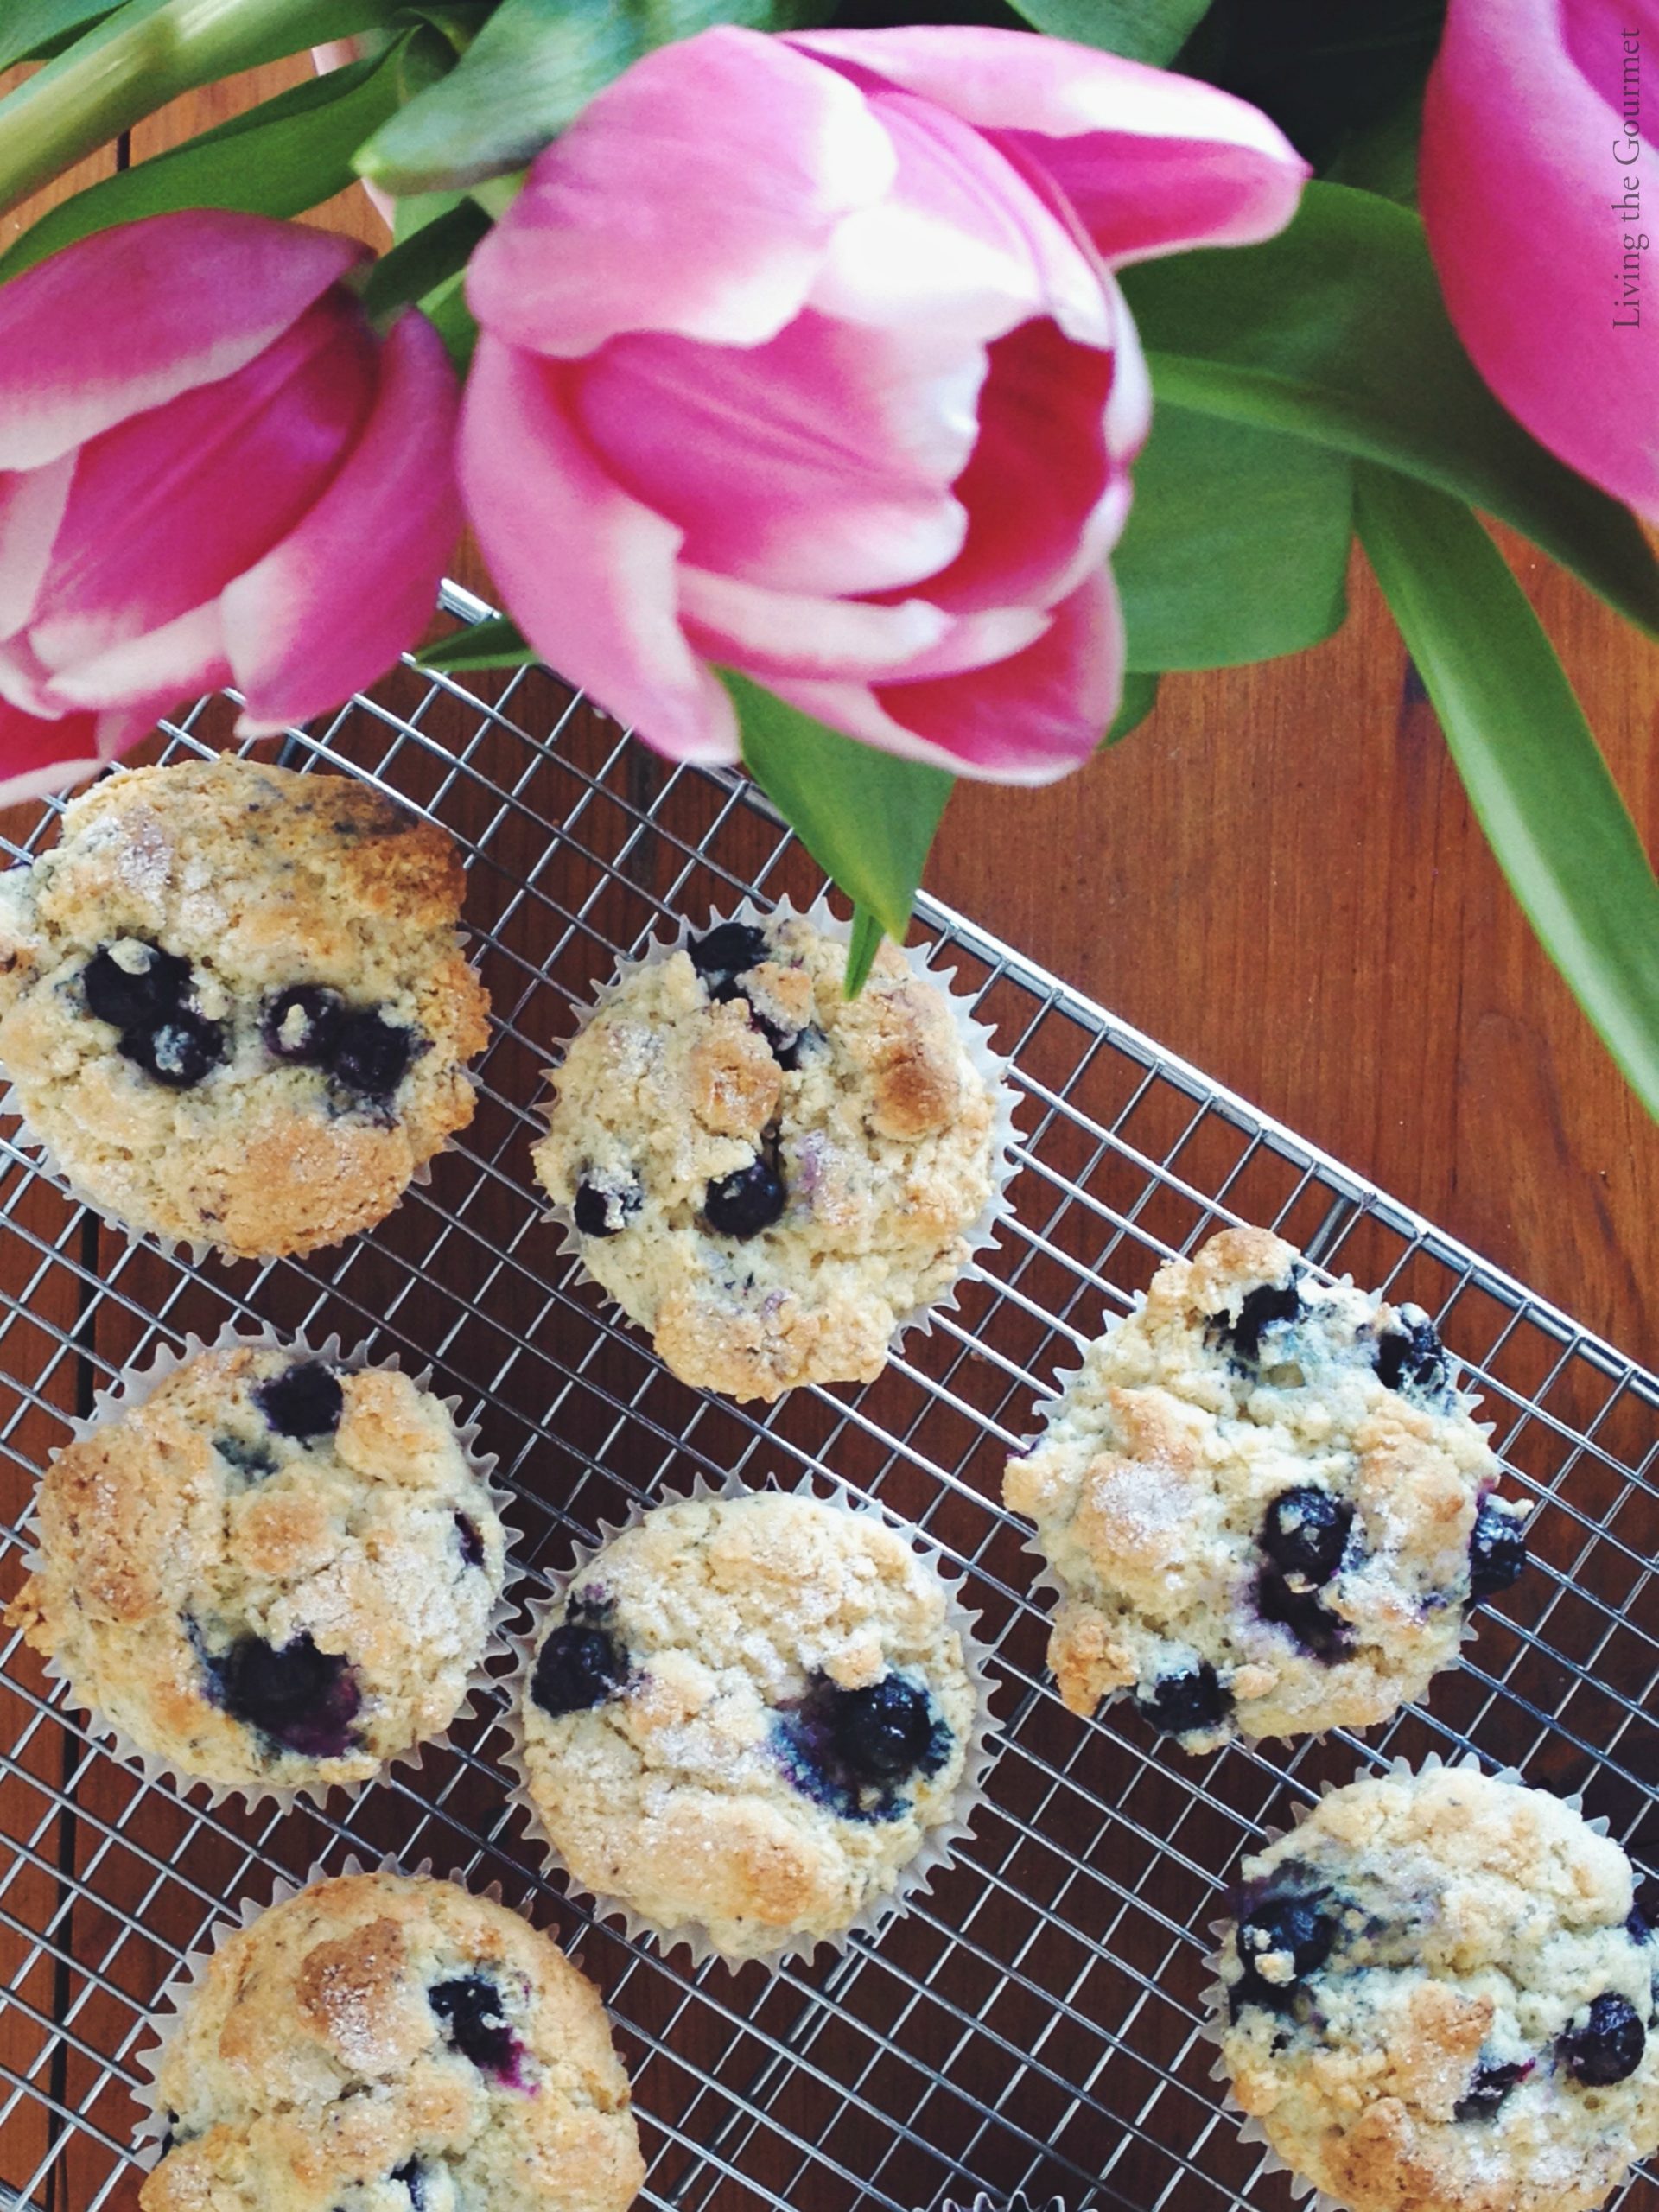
142, 56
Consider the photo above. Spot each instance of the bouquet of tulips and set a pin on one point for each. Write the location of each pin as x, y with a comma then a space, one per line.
865, 401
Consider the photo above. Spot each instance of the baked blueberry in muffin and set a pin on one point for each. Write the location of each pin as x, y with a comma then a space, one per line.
233, 1004
1435, 1994
1266, 1503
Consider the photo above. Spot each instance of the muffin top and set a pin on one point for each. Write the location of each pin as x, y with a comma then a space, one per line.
233, 1003
767, 1175
271, 1572
1265, 1501
745, 1715
1440, 1996
379, 2044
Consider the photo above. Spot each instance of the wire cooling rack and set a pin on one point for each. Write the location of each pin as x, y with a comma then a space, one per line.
1035, 2024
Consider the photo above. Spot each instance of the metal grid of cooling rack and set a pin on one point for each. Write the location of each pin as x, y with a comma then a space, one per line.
1035, 2024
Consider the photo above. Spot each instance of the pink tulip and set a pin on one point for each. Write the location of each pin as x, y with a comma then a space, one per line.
212, 471
1539, 189
802, 356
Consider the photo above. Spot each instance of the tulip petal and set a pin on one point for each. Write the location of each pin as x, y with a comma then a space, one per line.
769, 633
588, 571
32, 506
355, 583
1036, 487
38, 758
1531, 255
167, 508
1025, 720
1152, 162
963, 245
761, 152
820, 462
185, 655
131, 317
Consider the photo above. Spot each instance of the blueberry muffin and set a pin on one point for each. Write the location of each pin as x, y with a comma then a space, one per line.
1265, 1502
233, 1004
1440, 1996
382, 2044
746, 1716
768, 1176
270, 1572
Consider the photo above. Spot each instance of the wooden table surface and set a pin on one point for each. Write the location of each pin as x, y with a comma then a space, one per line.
1278, 876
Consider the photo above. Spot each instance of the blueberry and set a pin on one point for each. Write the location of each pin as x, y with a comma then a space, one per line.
1497, 1551
252, 1461
369, 1054
178, 1049
884, 1731
787, 1045
1608, 2048
851, 1749
304, 1401
599, 1212
304, 1699
1410, 1356
414, 2180
1184, 1704
1264, 1307
1637, 1926
472, 1544
1288, 1925
132, 999
1315, 1626
580, 1665
744, 1204
723, 953
469, 2005
1304, 1532
1490, 2085
301, 1024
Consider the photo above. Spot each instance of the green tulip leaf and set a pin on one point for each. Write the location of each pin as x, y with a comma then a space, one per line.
137, 58
862, 949
428, 259
1139, 697
532, 68
1335, 330
867, 817
1535, 775
493, 642
34, 30
288, 154
1144, 30
1236, 547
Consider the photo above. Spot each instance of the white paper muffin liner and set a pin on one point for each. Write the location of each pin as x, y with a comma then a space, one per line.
981, 1235
1214, 1996
133, 1389
1047, 1584
988, 2200
174, 2001
938, 1846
